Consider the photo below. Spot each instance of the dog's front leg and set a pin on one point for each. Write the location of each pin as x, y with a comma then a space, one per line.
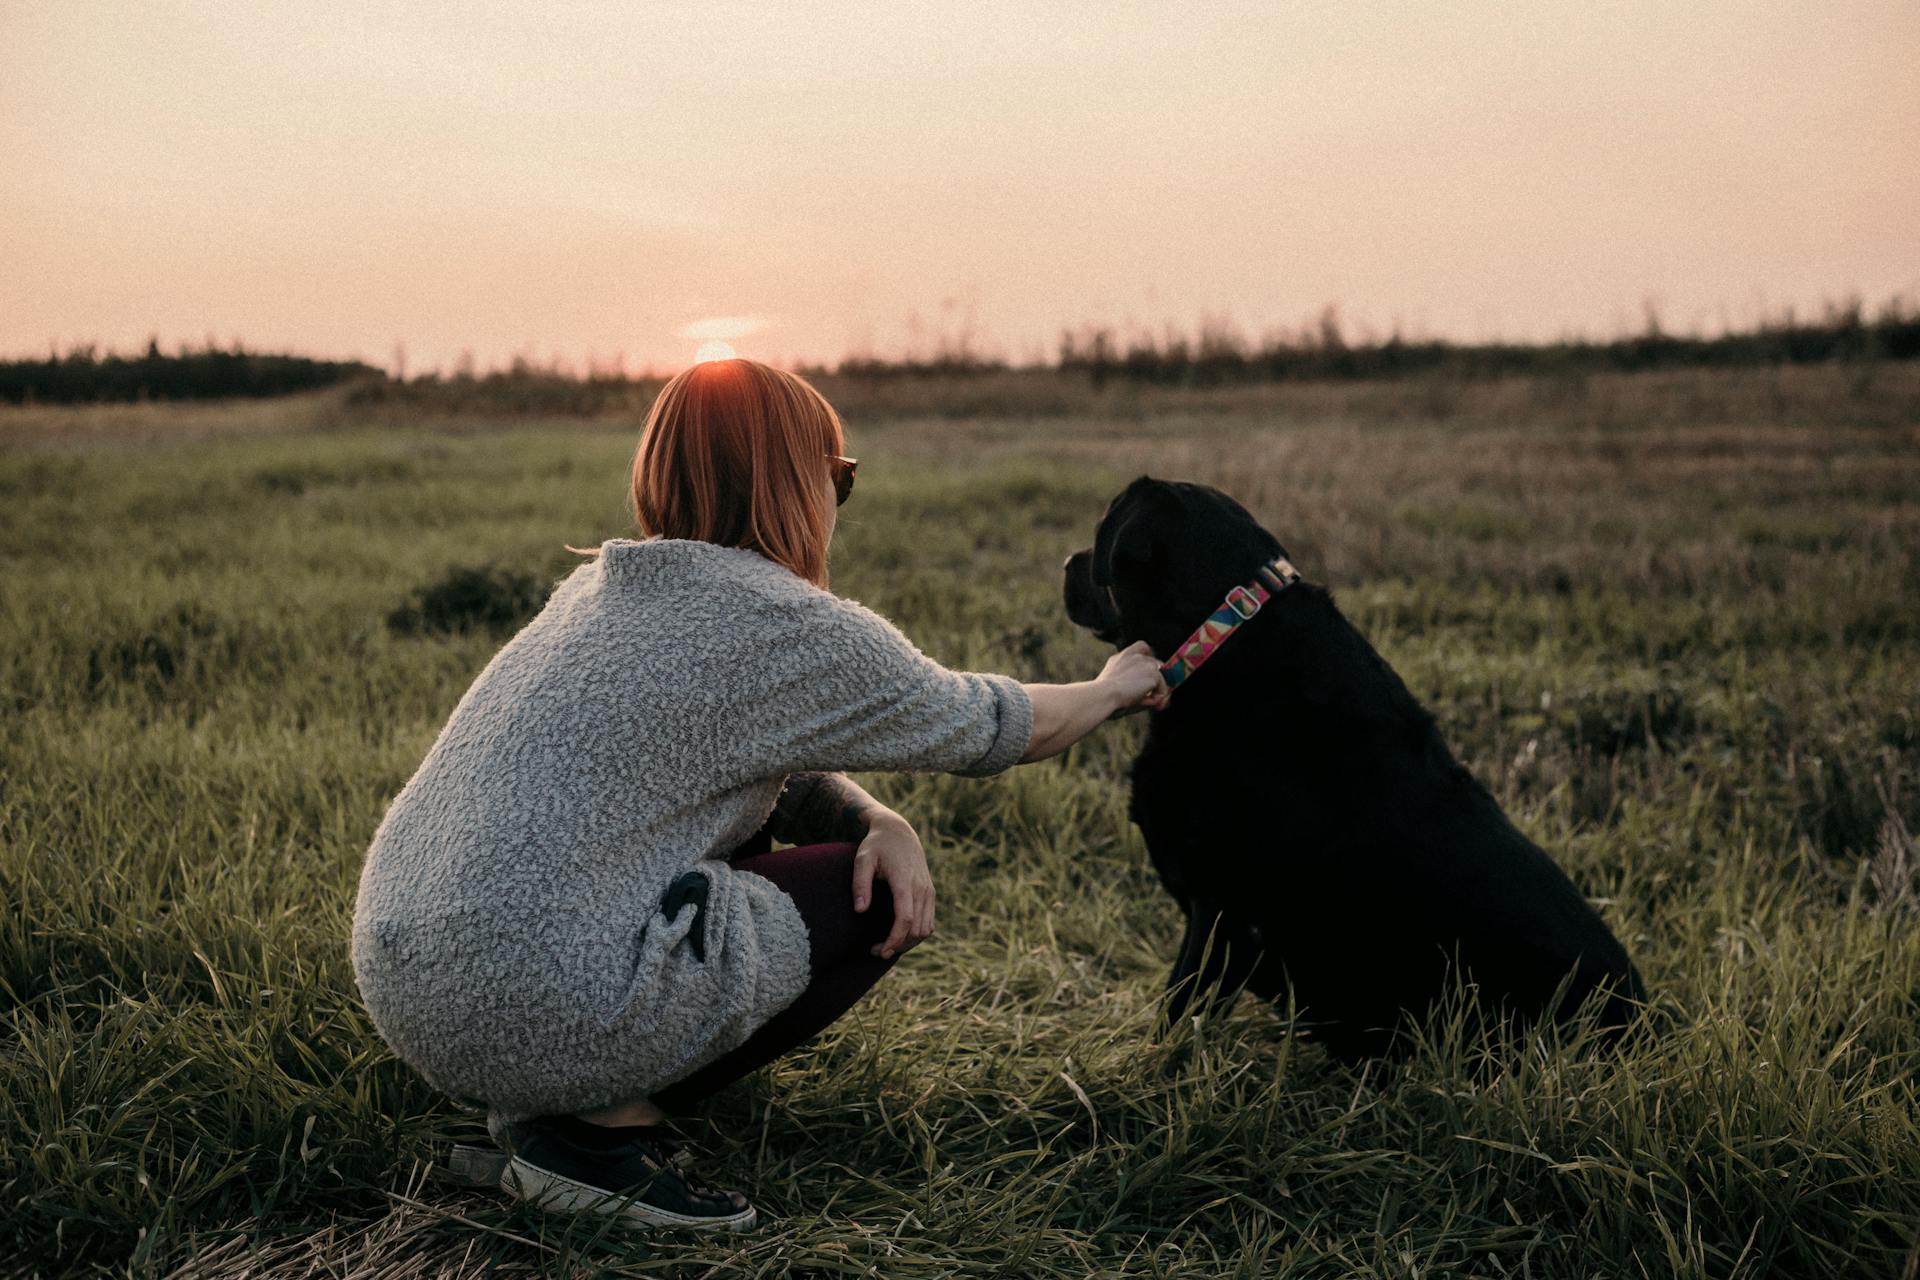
1184, 981
1217, 959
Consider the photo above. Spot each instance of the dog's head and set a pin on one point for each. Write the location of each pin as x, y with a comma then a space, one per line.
1162, 559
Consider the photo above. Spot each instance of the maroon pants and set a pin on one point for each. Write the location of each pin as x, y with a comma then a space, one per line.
819, 879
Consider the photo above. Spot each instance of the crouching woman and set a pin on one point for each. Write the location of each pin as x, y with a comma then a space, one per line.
573, 912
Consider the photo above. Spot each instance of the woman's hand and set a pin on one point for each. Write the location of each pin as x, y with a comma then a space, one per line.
891, 851
1133, 674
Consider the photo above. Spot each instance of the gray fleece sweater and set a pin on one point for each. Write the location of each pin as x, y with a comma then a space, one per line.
508, 938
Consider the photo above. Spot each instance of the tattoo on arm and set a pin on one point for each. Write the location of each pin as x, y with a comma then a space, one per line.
821, 806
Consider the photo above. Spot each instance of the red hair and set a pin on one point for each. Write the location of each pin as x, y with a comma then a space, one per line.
735, 452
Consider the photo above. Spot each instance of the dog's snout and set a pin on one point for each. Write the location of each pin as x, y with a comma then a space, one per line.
1086, 606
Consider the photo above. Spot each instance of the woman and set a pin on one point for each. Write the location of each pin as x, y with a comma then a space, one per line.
573, 912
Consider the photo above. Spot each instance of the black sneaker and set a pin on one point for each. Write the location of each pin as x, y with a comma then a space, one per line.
637, 1173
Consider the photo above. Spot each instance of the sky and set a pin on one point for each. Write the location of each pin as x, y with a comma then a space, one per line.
592, 182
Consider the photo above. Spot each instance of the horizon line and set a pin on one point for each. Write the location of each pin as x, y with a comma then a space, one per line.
968, 348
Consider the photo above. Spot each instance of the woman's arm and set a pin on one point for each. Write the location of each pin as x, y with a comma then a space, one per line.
837, 688
832, 806
1065, 713
818, 807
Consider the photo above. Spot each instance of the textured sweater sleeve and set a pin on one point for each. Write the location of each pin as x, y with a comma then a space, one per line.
853, 693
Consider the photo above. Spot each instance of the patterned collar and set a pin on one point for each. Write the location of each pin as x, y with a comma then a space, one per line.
1242, 603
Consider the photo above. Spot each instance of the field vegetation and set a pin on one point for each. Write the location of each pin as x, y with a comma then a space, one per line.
1669, 618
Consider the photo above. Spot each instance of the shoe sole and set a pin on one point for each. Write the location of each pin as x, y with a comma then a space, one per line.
545, 1189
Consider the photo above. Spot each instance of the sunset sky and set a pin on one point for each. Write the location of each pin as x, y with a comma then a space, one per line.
810, 179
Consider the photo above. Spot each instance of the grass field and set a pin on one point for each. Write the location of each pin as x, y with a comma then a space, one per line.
1670, 620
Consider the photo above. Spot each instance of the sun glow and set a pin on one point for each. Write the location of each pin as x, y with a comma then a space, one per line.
724, 327
714, 350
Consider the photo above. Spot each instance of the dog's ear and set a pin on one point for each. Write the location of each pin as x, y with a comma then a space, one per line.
1135, 536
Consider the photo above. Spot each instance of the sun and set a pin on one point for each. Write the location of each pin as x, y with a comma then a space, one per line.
714, 350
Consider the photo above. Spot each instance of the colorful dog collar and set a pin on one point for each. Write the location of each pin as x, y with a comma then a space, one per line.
1241, 604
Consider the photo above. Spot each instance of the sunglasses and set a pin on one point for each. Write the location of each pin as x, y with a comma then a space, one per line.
842, 477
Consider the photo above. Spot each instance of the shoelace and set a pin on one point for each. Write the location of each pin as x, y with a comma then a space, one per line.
674, 1154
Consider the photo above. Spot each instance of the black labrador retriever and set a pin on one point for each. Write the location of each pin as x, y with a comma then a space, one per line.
1299, 803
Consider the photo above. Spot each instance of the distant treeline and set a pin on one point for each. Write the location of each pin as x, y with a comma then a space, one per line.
83, 375
1219, 353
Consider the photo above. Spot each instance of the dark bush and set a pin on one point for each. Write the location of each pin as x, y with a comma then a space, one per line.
1620, 722
185, 641
470, 598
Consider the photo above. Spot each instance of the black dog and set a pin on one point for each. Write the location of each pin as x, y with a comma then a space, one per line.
1301, 807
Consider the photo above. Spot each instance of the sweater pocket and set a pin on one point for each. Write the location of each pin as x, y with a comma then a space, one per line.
668, 955
680, 917
690, 888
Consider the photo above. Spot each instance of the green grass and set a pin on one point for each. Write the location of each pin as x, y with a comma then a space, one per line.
1670, 620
